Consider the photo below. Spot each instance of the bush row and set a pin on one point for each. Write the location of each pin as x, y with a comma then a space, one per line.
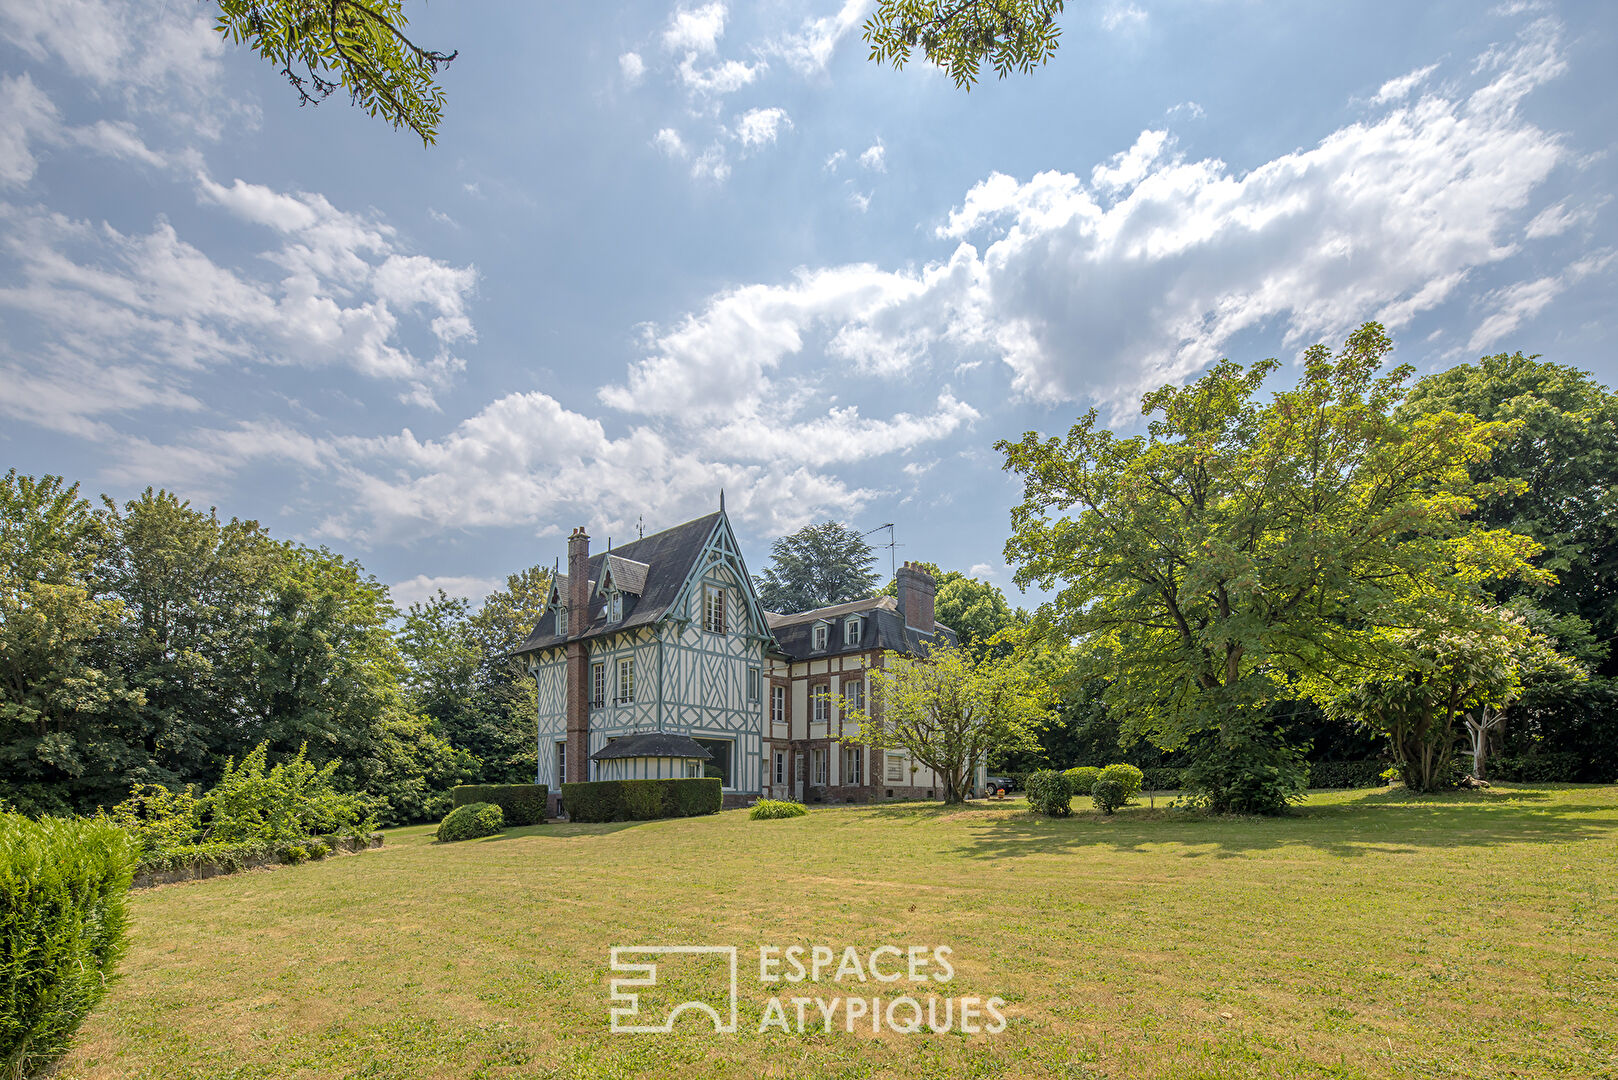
64, 889
471, 821
522, 804
1051, 792
641, 800
1347, 774
1552, 768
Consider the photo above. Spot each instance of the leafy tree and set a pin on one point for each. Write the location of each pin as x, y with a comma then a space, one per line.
816, 566
507, 697
68, 723
959, 35
950, 711
1240, 553
440, 664
973, 608
321, 46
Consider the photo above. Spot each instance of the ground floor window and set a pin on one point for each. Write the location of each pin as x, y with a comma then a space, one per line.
818, 767
853, 765
721, 763
896, 768
561, 762
780, 767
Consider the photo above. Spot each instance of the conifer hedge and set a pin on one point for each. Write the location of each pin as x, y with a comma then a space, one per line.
64, 890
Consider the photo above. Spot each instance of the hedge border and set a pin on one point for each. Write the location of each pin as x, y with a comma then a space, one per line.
641, 800
522, 804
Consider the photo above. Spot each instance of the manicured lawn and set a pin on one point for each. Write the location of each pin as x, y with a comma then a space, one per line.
1375, 935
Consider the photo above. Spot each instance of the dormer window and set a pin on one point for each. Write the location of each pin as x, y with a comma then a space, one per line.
713, 609
615, 607
561, 622
820, 637
851, 631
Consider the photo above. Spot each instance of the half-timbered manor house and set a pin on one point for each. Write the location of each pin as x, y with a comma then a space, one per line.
655, 659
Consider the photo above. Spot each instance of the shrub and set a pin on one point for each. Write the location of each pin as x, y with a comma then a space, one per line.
294, 854
1346, 774
1109, 795
1048, 793
471, 821
1247, 767
523, 804
318, 849
64, 887
1081, 779
1551, 768
641, 800
1162, 778
770, 809
1391, 775
1127, 776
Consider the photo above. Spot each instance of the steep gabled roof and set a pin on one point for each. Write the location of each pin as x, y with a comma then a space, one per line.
882, 629
668, 557
627, 574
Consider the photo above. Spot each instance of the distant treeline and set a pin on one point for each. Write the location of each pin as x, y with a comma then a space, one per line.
152, 642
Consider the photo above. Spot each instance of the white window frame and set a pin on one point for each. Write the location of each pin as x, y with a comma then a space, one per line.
820, 703
852, 631
854, 694
598, 684
561, 761
854, 765
561, 621
713, 608
780, 768
755, 682
778, 704
626, 680
895, 764
818, 767
615, 607
819, 635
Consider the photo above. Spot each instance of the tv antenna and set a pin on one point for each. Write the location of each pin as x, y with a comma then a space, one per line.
640, 526
893, 564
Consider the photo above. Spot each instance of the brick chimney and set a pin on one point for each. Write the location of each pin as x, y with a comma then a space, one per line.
916, 588
578, 657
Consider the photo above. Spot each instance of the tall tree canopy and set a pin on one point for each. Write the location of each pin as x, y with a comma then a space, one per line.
959, 35
822, 564
1240, 552
321, 46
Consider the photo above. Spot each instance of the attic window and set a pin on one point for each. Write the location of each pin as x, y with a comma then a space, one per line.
713, 609
615, 607
561, 622
820, 637
851, 631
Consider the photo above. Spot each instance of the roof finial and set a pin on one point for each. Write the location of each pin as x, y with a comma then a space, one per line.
721, 500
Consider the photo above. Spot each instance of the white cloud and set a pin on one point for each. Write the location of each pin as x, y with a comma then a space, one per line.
875, 157
722, 78
1128, 168
711, 165
668, 140
1186, 108
26, 113
810, 49
835, 160
1509, 308
696, 29
860, 200
760, 127
1400, 88
1123, 18
632, 68
422, 588
1557, 219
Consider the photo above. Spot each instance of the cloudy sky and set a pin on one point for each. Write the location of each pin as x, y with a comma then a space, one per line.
663, 250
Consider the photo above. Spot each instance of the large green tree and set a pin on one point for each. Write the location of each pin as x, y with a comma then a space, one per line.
975, 609
507, 696
822, 564
1241, 551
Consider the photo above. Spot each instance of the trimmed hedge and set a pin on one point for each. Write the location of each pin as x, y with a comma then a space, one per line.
1129, 777
1049, 793
771, 809
471, 821
1109, 794
1348, 774
1082, 778
522, 804
641, 800
64, 891
1552, 768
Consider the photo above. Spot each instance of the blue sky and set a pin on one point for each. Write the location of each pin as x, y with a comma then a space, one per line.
663, 249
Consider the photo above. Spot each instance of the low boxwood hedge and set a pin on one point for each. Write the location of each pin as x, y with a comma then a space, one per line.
471, 821
1556, 767
64, 891
641, 800
1346, 774
522, 804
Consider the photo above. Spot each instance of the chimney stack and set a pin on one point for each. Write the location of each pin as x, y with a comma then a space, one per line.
916, 589
578, 656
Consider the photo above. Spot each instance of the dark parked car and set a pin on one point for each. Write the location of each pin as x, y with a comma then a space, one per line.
996, 787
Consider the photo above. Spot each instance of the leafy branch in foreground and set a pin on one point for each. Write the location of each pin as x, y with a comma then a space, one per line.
324, 45
958, 35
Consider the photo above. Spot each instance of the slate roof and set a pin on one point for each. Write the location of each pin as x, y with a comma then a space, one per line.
668, 557
882, 628
652, 744
627, 574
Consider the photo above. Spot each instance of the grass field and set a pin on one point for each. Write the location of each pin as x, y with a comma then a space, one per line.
1374, 935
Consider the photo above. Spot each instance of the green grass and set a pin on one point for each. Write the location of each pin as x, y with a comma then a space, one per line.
1374, 935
